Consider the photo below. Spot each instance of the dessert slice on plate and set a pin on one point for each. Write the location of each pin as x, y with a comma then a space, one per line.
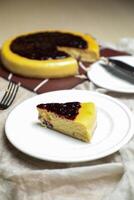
72, 118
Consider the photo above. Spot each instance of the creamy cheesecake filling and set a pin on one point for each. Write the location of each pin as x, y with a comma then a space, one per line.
75, 119
44, 45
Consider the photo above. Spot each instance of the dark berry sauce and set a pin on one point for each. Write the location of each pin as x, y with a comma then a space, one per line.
66, 110
43, 45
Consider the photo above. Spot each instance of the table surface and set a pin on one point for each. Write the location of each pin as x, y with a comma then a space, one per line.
106, 20
23, 177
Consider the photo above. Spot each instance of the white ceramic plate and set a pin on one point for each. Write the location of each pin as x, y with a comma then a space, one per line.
114, 128
111, 79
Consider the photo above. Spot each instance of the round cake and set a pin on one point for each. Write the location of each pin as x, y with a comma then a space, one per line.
48, 54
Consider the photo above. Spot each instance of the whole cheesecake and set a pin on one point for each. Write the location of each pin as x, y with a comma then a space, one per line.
48, 54
75, 119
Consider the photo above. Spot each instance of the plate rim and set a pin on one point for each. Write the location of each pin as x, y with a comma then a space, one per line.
101, 155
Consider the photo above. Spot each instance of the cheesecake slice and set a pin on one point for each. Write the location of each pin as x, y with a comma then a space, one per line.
48, 54
75, 119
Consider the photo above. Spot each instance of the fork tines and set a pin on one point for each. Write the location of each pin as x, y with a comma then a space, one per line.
9, 95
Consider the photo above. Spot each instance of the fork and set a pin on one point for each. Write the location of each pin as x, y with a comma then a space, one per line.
9, 95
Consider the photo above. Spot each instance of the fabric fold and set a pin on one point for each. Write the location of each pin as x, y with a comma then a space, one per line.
25, 178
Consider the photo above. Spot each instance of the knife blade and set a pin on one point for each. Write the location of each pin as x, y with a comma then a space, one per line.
119, 65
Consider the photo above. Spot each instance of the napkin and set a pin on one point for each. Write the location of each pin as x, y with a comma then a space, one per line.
25, 178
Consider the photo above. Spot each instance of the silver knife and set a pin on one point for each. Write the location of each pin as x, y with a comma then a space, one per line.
117, 63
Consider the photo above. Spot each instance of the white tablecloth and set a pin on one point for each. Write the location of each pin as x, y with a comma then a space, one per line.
26, 178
